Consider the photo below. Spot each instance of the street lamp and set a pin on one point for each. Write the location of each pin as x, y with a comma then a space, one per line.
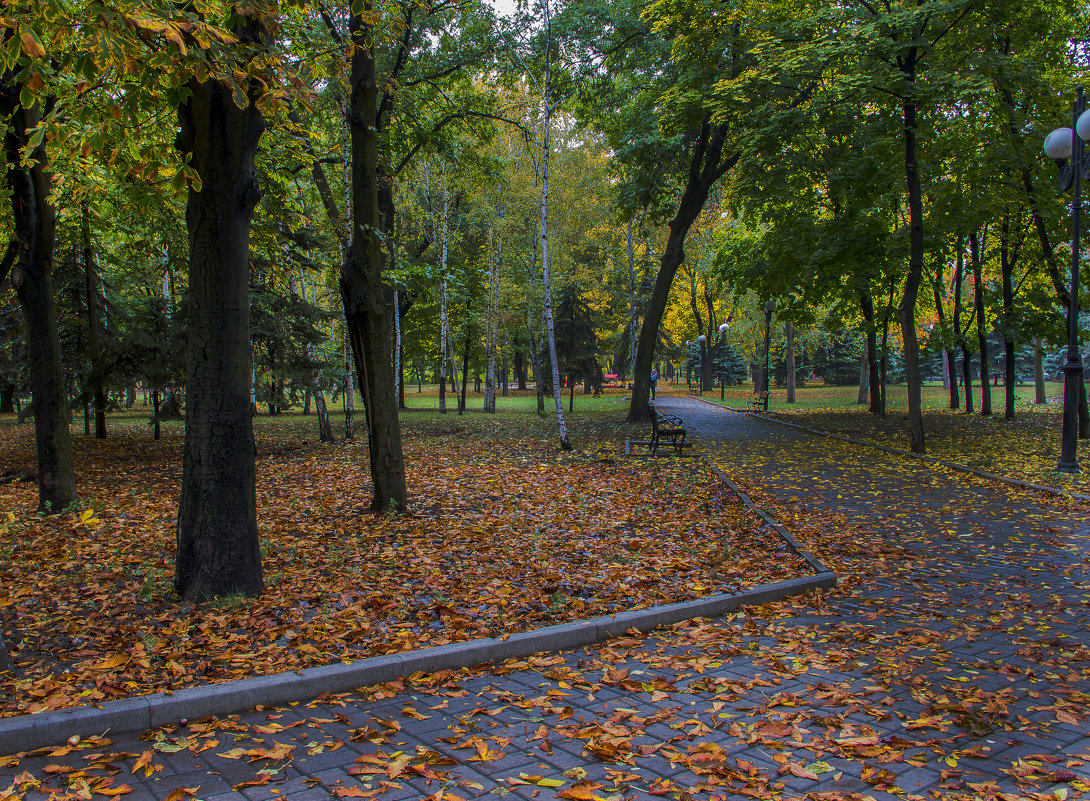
1066, 148
722, 344
688, 364
769, 308
705, 377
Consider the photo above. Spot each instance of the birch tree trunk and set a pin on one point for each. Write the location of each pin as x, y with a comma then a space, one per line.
493, 328
546, 277
349, 397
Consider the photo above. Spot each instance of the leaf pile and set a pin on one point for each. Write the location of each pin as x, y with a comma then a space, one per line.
503, 535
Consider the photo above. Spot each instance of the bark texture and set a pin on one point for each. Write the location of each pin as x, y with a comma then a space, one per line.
906, 312
366, 308
35, 226
706, 166
218, 548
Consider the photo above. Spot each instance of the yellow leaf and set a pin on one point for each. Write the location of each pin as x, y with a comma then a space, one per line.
110, 663
550, 782
234, 753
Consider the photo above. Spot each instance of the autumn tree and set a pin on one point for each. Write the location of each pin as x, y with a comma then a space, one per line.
220, 127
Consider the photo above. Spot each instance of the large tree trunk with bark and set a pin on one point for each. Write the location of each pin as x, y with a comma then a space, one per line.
218, 548
706, 166
365, 296
35, 222
906, 312
1062, 291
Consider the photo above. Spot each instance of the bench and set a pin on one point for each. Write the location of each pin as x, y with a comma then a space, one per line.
758, 402
665, 428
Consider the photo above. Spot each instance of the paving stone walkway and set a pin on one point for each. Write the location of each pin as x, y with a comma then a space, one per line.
953, 662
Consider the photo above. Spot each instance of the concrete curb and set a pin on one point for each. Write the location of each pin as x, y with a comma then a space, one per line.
784, 534
961, 468
28, 732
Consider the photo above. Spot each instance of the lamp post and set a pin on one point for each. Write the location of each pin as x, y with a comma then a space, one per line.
703, 351
722, 344
769, 308
1065, 147
688, 364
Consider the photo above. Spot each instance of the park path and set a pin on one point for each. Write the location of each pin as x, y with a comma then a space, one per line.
952, 662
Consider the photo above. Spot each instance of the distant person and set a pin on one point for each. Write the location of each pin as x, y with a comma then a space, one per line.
654, 381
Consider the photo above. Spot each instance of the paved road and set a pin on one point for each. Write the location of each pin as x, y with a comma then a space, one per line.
953, 662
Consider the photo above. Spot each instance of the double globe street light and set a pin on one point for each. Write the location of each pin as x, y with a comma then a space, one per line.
1065, 147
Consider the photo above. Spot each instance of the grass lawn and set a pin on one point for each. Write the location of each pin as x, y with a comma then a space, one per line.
1026, 447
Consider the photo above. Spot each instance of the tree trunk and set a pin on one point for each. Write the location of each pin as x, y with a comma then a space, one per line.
7, 399
874, 374
506, 371
95, 332
349, 398
444, 327
789, 354
864, 377
949, 363
959, 333
1062, 292
399, 389
1007, 260
981, 330
546, 275
218, 548
492, 328
34, 221
155, 414
633, 312
363, 292
465, 373
906, 312
883, 367
1038, 372
325, 427
705, 168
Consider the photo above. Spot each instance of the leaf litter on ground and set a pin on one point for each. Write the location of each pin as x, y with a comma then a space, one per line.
504, 534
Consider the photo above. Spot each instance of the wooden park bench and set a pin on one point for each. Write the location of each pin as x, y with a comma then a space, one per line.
758, 402
666, 429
